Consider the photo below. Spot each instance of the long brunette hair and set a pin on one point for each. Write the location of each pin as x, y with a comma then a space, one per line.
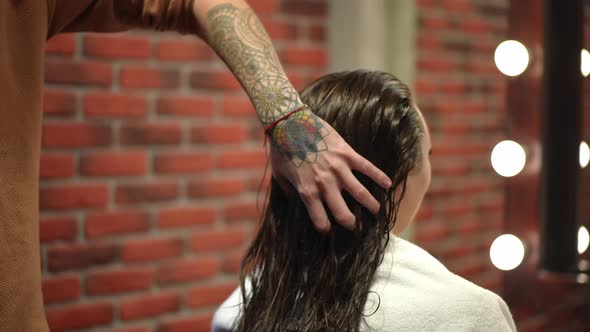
302, 280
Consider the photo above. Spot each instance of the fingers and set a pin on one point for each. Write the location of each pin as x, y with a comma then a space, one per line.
359, 192
315, 208
366, 167
338, 207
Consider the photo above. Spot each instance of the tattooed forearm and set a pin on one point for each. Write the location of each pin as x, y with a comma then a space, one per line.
239, 38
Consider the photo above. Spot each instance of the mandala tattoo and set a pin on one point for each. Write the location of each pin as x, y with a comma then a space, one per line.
239, 38
301, 137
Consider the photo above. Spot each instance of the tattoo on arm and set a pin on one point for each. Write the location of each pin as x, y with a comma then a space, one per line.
239, 38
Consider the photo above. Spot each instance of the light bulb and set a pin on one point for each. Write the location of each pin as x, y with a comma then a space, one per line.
584, 154
508, 158
507, 252
585, 63
583, 239
511, 57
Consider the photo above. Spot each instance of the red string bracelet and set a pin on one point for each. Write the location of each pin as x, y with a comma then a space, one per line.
284, 117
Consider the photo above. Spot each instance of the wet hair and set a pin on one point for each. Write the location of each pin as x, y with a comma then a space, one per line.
303, 280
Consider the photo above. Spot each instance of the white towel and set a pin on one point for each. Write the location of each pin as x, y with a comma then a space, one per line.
416, 293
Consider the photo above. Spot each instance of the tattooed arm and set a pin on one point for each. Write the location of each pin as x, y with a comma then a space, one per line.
305, 150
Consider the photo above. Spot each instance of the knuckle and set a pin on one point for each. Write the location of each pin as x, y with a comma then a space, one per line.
308, 192
362, 194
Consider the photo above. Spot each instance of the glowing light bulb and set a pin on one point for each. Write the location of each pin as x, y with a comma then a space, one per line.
507, 252
511, 57
583, 239
585, 66
584, 154
508, 158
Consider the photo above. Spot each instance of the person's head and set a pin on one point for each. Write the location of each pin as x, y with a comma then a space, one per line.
306, 281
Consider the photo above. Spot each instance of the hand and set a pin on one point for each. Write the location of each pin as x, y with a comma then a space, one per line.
321, 169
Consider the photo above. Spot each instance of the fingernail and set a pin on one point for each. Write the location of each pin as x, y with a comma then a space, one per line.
387, 183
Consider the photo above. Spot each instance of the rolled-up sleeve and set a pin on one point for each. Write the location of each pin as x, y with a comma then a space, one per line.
119, 15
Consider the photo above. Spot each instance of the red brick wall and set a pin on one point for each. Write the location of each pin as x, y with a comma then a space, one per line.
152, 158
462, 94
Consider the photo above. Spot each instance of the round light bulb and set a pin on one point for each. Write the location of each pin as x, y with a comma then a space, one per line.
508, 158
583, 239
585, 65
511, 57
507, 252
584, 154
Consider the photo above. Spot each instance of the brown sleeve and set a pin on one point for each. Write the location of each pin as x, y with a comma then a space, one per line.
119, 15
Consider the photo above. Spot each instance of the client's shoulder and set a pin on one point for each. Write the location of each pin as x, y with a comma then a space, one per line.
411, 283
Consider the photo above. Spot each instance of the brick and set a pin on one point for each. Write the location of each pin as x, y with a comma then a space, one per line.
317, 33
149, 78
126, 163
217, 240
298, 80
110, 105
119, 281
186, 217
425, 87
304, 56
152, 249
63, 44
216, 187
209, 80
429, 43
58, 228
115, 223
81, 256
61, 289
80, 316
184, 50
434, 23
210, 295
183, 163
241, 159
149, 306
145, 193
219, 133
54, 166
78, 73
458, 251
232, 263
262, 7
463, 6
151, 134
304, 7
241, 211
200, 323
188, 270
278, 30
58, 103
64, 197
185, 106
75, 135
431, 234
238, 107
116, 46
469, 271
465, 149
436, 64
133, 329
468, 227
